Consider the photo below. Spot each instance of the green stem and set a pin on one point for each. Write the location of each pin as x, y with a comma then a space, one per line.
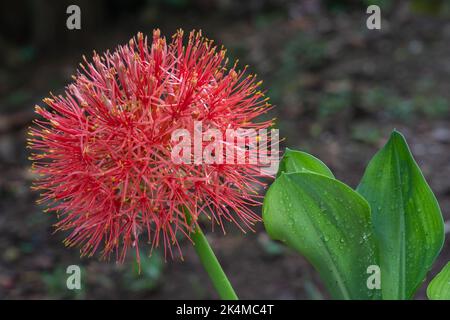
211, 264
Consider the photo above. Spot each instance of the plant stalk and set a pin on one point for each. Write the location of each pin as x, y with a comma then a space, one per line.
211, 264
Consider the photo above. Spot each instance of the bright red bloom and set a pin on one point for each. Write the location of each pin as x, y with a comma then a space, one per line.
103, 150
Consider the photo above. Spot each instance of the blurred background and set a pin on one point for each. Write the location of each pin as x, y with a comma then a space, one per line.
339, 89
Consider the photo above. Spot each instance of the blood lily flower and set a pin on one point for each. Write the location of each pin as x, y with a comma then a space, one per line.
102, 150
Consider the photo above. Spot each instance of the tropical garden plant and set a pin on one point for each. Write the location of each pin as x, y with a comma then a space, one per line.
390, 227
103, 153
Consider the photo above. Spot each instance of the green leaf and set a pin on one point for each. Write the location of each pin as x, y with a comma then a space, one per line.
298, 161
439, 287
406, 217
327, 222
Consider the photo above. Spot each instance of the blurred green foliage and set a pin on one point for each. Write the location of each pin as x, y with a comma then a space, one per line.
270, 247
147, 276
432, 7
394, 106
366, 132
55, 282
300, 54
333, 103
303, 52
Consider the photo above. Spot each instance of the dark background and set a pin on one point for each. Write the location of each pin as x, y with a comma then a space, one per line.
339, 89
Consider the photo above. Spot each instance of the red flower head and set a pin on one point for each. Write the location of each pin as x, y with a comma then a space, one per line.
103, 151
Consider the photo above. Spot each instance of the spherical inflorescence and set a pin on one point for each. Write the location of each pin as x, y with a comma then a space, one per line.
102, 151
